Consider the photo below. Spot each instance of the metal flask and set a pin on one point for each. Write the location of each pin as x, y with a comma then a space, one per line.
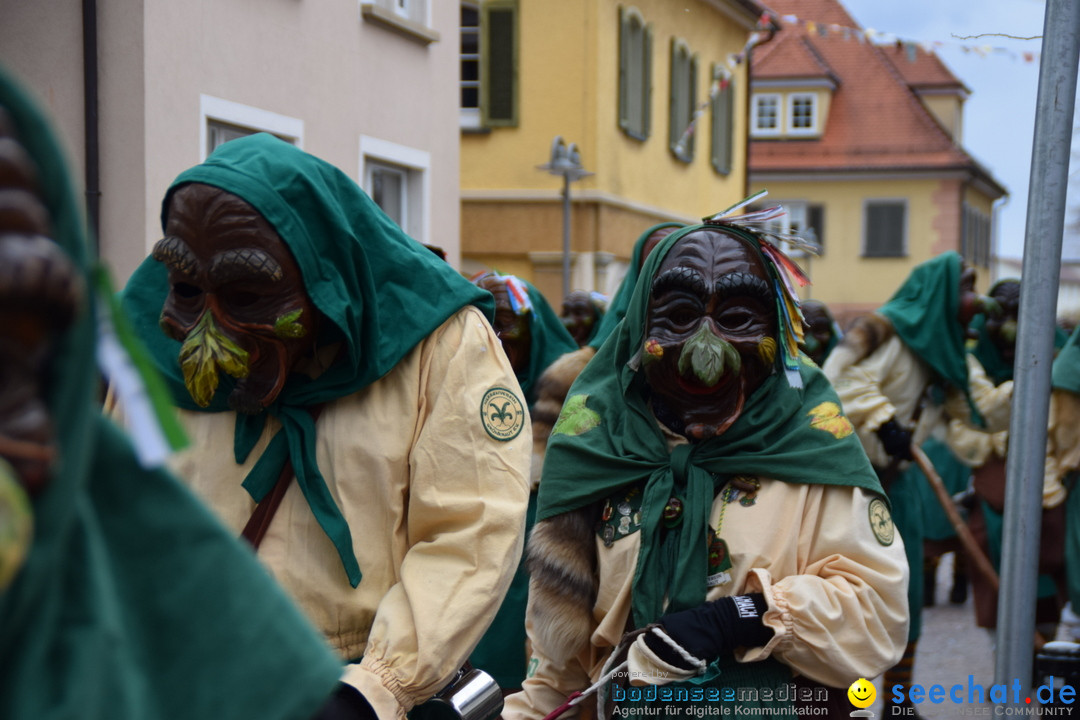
471, 695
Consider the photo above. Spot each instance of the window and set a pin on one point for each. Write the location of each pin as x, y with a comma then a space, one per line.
635, 74
765, 115
387, 185
803, 219
396, 177
802, 114
489, 86
683, 100
470, 65
884, 228
723, 120
975, 236
224, 120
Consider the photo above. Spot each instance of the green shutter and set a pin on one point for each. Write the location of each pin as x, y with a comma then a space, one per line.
624, 69
815, 218
499, 80
646, 85
673, 98
884, 229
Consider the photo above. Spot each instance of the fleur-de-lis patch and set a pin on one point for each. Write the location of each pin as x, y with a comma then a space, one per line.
502, 414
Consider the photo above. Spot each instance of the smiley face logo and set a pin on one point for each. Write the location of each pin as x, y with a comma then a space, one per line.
861, 694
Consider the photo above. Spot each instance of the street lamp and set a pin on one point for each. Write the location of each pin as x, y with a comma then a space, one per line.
565, 161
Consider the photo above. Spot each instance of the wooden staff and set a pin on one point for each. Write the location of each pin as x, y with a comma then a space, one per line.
966, 538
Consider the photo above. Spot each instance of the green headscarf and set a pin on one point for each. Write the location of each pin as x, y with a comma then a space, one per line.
924, 312
550, 338
616, 309
134, 602
381, 291
607, 439
1065, 374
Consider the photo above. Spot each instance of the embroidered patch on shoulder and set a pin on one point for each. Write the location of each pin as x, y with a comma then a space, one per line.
502, 413
828, 417
881, 522
575, 418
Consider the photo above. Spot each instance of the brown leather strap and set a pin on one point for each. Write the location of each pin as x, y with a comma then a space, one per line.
259, 522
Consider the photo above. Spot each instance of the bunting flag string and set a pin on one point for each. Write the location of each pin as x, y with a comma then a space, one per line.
722, 75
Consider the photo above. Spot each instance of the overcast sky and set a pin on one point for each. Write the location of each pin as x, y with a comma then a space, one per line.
999, 115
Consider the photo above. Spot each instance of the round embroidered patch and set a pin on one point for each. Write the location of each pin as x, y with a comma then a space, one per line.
502, 413
881, 522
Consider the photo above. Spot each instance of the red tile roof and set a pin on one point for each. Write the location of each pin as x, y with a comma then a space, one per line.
875, 120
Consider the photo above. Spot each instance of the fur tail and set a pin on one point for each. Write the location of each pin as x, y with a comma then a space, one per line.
563, 583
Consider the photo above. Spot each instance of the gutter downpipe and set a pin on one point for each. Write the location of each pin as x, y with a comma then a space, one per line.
90, 121
1035, 347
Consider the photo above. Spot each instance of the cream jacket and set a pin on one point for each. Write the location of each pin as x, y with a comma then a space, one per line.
435, 503
837, 594
892, 381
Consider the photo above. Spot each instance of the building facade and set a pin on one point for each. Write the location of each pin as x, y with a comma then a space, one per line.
371, 87
862, 144
653, 96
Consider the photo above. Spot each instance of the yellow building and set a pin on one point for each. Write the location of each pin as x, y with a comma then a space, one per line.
861, 144
623, 83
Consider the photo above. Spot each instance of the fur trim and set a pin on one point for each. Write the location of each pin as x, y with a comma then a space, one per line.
866, 334
563, 583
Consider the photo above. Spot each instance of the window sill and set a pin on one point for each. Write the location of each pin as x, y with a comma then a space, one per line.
392, 21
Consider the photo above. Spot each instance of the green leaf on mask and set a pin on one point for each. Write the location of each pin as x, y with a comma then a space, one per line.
708, 356
287, 327
204, 350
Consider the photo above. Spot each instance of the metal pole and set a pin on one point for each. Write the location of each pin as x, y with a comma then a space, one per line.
566, 235
1035, 345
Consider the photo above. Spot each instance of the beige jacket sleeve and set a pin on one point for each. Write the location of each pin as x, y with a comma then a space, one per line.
993, 401
844, 614
464, 520
888, 383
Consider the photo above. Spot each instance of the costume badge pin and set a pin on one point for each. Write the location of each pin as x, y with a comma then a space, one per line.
502, 414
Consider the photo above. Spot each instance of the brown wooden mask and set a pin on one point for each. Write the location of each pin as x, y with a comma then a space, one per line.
236, 300
512, 329
41, 291
579, 316
711, 330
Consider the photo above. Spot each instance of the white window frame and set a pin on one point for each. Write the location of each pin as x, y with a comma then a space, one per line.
755, 130
247, 116
418, 182
469, 117
416, 11
791, 100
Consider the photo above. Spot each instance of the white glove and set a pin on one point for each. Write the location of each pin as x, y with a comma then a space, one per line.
645, 667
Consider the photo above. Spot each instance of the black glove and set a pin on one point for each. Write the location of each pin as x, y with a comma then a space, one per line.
896, 440
712, 630
347, 703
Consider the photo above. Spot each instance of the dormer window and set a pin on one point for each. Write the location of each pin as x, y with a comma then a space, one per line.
765, 115
802, 114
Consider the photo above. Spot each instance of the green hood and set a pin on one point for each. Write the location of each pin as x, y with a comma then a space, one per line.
1066, 369
616, 309
607, 439
924, 312
134, 602
381, 291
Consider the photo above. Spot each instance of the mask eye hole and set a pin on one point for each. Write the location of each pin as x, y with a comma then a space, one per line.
186, 290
